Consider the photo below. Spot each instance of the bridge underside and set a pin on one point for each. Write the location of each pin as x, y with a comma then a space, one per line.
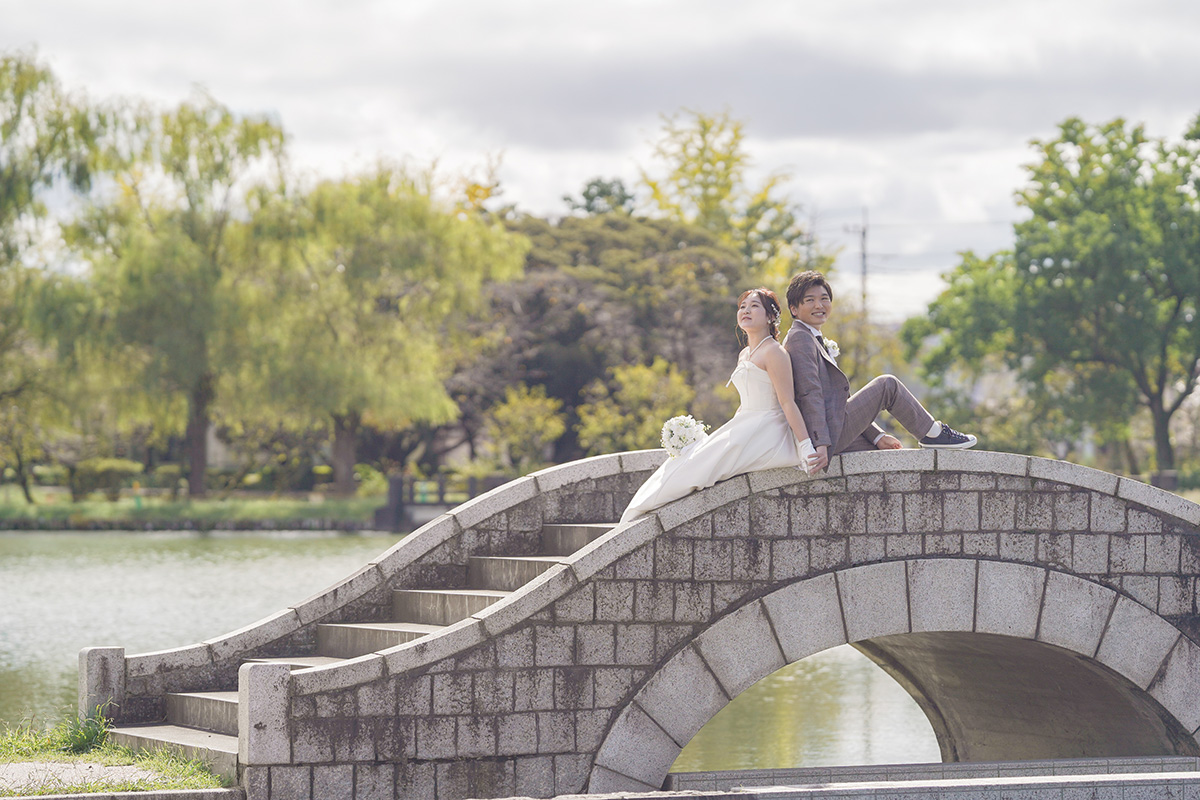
998, 698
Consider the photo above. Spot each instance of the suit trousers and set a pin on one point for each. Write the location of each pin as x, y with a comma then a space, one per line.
884, 392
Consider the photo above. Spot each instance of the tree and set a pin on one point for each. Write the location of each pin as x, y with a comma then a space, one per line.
602, 197
526, 424
705, 184
167, 284
628, 412
369, 281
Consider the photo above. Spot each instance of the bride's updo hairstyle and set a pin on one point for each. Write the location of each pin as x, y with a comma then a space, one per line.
770, 304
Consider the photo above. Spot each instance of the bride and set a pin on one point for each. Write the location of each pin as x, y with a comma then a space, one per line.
766, 432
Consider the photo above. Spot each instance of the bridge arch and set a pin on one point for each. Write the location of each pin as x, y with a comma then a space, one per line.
1008, 661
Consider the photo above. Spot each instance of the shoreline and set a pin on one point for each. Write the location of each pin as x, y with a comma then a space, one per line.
150, 526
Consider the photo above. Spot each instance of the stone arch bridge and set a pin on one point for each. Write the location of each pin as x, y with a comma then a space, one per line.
515, 646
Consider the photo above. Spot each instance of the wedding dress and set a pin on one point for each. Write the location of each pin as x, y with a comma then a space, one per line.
758, 437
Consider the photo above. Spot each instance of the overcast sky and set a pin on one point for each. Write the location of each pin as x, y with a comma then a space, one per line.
920, 111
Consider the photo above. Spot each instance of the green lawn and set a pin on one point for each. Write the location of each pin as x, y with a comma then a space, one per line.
55, 505
26, 742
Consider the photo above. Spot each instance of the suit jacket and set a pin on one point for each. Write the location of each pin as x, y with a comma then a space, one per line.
821, 389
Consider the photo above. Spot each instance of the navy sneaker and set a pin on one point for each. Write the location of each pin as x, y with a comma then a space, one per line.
949, 439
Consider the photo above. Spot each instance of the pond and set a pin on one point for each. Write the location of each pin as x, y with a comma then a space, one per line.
60, 592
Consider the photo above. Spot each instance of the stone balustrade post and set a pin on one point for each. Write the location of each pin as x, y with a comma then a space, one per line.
101, 680
263, 737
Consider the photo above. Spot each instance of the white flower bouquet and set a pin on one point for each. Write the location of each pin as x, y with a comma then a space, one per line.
679, 432
832, 347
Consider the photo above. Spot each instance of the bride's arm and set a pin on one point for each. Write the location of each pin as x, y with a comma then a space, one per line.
779, 369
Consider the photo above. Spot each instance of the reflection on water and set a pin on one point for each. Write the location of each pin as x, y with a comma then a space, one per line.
833, 708
60, 592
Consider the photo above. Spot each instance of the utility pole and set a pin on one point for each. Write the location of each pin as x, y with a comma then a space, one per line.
861, 338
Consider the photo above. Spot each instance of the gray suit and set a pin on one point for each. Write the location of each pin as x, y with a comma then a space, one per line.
834, 417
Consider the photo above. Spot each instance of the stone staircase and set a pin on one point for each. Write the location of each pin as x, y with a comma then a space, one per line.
204, 725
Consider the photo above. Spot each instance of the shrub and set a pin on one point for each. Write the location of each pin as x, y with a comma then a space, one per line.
102, 474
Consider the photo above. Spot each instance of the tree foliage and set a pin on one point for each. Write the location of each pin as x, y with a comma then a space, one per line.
627, 411
525, 425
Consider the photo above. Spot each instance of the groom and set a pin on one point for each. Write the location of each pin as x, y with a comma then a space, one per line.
837, 421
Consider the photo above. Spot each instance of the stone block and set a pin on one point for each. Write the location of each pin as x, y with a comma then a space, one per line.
554, 646
450, 641
533, 690
673, 559
1177, 686
828, 552
943, 544
771, 479
497, 501
866, 549
453, 693
516, 734
1107, 514
585, 469
809, 516
982, 461
712, 560
1156, 499
885, 513
751, 560
534, 776
1175, 595
596, 644
682, 696
612, 684
573, 688
311, 743
259, 634
515, 649
923, 512
436, 737
101, 679
556, 731
652, 601
741, 648
1008, 598
1018, 546
374, 781
535, 595
1035, 511
342, 675
1089, 553
334, 782
606, 782
1127, 553
1136, 642
609, 548
874, 600
941, 594
1054, 550
847, 514
642, 460
960, 511
292, 782
263, 714
902, 482
414, 545
904, 545
1073, 475
476, 737
615, 600
191, 657
997, 511
694, 505
1071, 512
335, 597
789, 559
1142, 588
578, 605
769, 517
416, 779
693, 602
638, 565
638, 748
865, 484
888, 461
1163, 553
1074, 613
732, 519
1144, 522
981, 544
806, 616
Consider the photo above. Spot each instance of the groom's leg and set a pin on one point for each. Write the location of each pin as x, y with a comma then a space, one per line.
885, 392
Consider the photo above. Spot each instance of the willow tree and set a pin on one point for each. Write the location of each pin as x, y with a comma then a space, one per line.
168, 287
370, 280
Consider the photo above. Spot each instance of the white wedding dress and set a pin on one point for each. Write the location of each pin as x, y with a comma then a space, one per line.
758, 437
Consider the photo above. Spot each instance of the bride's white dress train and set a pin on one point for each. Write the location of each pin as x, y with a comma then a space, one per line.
758, 437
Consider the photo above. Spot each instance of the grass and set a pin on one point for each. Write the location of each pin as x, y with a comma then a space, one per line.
55, 505
71, 741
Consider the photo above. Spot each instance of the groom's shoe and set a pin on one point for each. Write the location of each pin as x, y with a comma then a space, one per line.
949, 439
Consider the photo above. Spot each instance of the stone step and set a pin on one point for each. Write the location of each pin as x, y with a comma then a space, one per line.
351, 639
209, 711
563, 540
441, 606
506, 574
218, 750
298, 662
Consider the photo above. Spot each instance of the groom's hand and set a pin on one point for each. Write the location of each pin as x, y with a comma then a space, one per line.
887, 442
822, 458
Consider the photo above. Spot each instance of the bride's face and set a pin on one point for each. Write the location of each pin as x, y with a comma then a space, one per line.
752, 315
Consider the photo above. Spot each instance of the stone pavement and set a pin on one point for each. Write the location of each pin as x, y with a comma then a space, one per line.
36, 777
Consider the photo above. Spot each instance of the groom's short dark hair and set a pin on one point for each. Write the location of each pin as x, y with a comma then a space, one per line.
802, 283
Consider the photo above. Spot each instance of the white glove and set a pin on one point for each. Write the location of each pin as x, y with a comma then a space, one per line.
808, 456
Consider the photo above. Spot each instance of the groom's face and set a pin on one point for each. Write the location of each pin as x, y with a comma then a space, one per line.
815, 307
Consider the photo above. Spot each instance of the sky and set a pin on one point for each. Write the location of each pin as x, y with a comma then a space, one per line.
915, 117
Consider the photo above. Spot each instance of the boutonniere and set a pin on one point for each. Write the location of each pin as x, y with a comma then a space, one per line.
832, 348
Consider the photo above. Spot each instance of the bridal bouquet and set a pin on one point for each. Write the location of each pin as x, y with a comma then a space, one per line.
679, 432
